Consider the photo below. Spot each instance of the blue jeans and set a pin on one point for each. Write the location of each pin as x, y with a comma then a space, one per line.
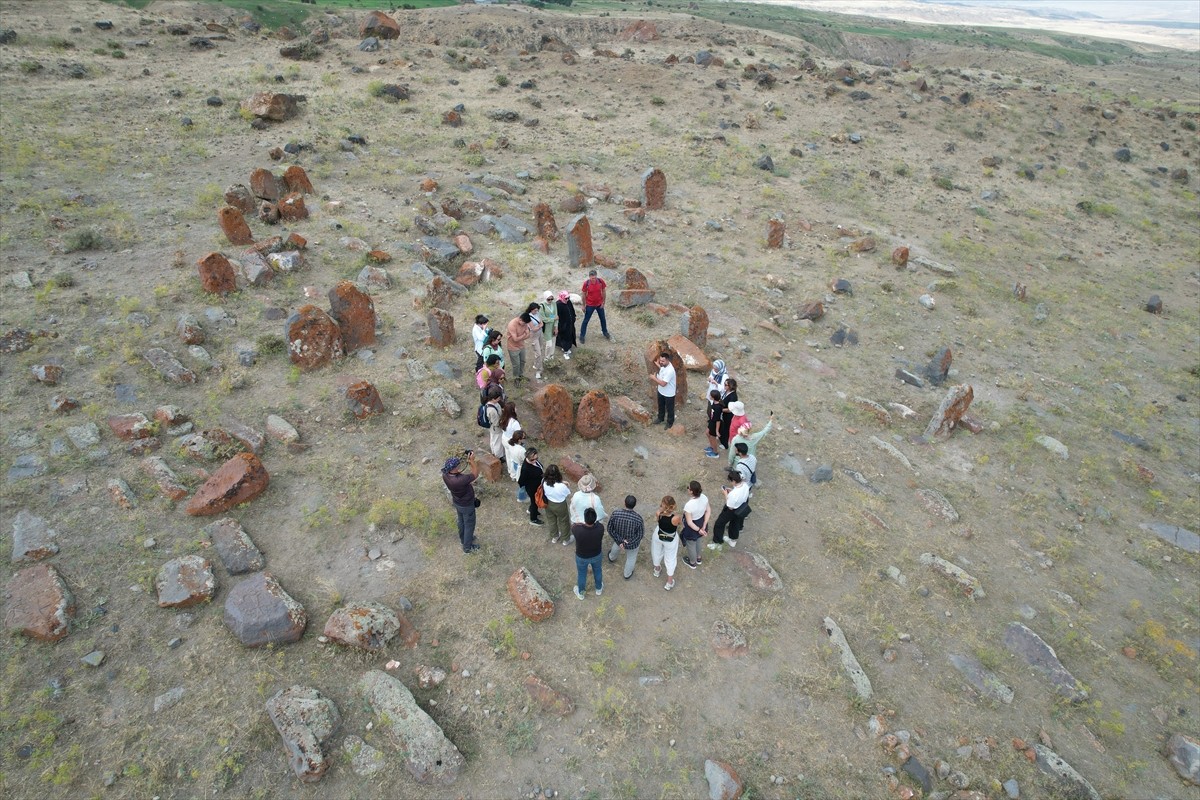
587, 314
466, 526
582, 564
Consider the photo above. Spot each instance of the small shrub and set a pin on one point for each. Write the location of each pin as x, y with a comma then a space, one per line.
62, 280
83, 239
942, 182
657, 101
270, 344
1188, 124
1091, 207
502, 80
474, 159
902, 170
30, 67
466, 42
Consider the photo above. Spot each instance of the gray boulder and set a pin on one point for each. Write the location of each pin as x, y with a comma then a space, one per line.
429, 756
305, 720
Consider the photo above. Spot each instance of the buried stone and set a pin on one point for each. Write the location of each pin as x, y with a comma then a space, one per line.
305, 720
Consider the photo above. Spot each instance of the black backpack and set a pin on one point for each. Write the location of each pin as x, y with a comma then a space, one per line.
481, 416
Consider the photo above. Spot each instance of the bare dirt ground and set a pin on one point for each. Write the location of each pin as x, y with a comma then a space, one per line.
1054, 542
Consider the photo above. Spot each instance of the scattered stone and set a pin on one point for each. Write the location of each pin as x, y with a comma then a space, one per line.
917, 770
938, 368
167, 699
354, 312
636, 290
367, 626
216, 274
131, 426
27, 465
305, 720
39, 604
1023, 642
984, 681
363, 400
33, 538
900, 257
1053, 445
1123, 154
727, 641
579, 242
854, 671
232, 220
1183, 753
593, 418
239, 480
547, 698
930, 264
49, 374
762, 574
428, 755
532, 600
429, 677
239, 197
184, 582
949, 412
234, 547
1071, 783
168, 366
811, 310
927, 302
891, 450
1173, 534
936, 504
258, 611
272, 106
94, 658
723, 781
968, 583
281, 430
314, 339
822, 474
881, 414
365, 760
864, 244
121, 494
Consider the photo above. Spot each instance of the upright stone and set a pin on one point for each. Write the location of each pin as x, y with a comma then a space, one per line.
428, 755
313, 338
233, 224
579, 242
938, 368
258, 611
216, 274
636, 290
949, 412
379, 25
654, 189
39, 604
238, 196
265, 186
441, 328
239, 480
552, 404
650, 356
355, 315
184, 582
543, 220
363, 400
775, 231
234, 547
593, 418
296, 180
305, 720
695, 326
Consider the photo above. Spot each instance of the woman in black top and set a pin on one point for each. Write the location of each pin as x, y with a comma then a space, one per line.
728, 396
529, 480
664, 546
565, 338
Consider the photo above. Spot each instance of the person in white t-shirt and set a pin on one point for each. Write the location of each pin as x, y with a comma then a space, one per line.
665, 380
737, 495
696, 513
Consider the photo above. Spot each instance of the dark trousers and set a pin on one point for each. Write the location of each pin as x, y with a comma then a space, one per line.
727, 518
587, 314
534, 511
466, 525
666, 406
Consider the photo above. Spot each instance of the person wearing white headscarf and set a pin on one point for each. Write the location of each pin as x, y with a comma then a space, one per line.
584, 499
716, 378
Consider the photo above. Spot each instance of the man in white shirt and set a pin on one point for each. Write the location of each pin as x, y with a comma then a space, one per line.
479, 333
665, 379
733, 515
746, 465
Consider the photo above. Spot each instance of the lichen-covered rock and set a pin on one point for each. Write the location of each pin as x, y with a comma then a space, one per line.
552, 403
216, 274
305, 720
428, 755
239, 480
33, 538
258, 611
532, 600
367, 626
355, 314
313, 338
38, 604
184, 582
592, 420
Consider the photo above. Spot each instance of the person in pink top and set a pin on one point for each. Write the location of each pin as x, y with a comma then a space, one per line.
738, 409
518, 334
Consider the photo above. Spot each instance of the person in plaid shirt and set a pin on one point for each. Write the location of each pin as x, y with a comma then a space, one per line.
626, 529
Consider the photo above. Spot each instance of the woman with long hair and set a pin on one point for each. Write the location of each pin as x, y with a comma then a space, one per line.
664, 547
529, 479
556, 491
514, 457
728, 396
696, 514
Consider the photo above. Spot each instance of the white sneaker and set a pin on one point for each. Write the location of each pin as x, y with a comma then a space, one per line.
566, 356
537, 376
714, 547
599, 592
578, 593
733, 542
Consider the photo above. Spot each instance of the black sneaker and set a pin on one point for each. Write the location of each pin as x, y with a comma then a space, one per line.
691, 564
606, 336
536, 522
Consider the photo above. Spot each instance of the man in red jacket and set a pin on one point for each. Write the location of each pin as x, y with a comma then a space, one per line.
593, 303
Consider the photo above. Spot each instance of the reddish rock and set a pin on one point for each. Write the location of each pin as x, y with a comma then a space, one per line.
650, 358
636, 290
762, 575
970, 423
900, 256
363, 400
640, 31
555, 410
548, 699
166, 479
1020, 291
573, 204
188, 330
544, 222
949, 412
490, 468
296, 242
265, 185
440, 292
216, 274
579, 242
62, 404
635, 214
864, 245
314, 339
540, 244
296, 180
633, 410
184, 582
723, 780
239, 196
693, 357
813, 310
429, 677
441, 328
775, 231
258, 611
49, 374
268, 212
463, 243
654, 189
239, 480
429, 185
592, 418
531, 599
452, 118
366, 626
121, 494
274, 106
233, 224
39, 604
140, 447
355, 314
728, 641
292, 208
170, 415
379, 25
695, 326
473, 272
573, 470
131, 426
604, 261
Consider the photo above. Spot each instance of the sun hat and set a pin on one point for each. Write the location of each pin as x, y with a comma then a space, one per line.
587, 483
737, 408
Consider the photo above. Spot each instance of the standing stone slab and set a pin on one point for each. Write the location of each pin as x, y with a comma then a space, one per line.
38, 604
367, 626
984, 681
654, 189
650, 357
949, 412
233, 224
33, 538
313, 338
762, 574
579, 242
184, 582
428, 755
775, 232
239, 480
635, 291
355, 315
854, 671
556, 412
723, 780
543, 220
305, 720
695, 326
1071, 784
441, 328
363, 400
531, 599
258, 611
593, 418
1028, 645
547, 698
234, 547
216, 274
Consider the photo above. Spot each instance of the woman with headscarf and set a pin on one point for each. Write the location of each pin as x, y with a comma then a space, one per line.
716, 378
728, 395
490, 374
565, 338
584, 499
549, 315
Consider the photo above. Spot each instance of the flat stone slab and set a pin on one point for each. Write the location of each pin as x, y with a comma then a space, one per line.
1023, 642
184, 582
547, 698
1183, 753
239, 480
1173, 534
1071, 783
532, 600
723, 780
854, 670
258, 611
969, 584
234, 547
364, 759
33, 538
762, 574
984, 681
38, 604
936, 504
727, 641
428, 755
367, 626
305, 720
